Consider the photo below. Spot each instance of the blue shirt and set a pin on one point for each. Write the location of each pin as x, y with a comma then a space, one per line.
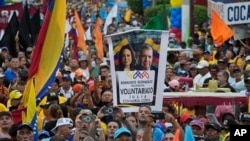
10, 75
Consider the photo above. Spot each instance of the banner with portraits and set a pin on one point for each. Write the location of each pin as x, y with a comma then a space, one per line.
138, 61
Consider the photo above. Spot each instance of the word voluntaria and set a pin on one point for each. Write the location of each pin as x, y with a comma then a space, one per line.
239, 132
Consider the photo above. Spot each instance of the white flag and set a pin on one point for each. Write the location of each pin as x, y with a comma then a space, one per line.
112, 14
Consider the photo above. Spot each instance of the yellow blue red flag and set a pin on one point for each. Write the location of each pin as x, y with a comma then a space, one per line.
46, 58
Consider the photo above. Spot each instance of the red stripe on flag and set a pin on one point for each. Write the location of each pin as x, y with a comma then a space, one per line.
39, 45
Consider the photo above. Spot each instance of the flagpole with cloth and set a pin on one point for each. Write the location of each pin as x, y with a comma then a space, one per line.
46, 60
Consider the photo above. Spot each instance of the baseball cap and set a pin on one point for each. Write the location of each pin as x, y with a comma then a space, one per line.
67, 77
202, 64
5, 48
61, 122
52, 97
121, 131
15, 94
185, 117
5, 113
174, 83
43, 133
197, 123
24, 125
193, 66
46, 105
221, 61
247, 58
214, 126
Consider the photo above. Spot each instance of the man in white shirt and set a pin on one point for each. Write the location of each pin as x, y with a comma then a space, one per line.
203, 69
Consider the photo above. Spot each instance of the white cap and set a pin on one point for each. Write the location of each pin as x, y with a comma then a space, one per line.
61, 122
247, 58
202, 64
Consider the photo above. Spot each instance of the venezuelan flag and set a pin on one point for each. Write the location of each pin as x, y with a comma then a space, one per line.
46, 58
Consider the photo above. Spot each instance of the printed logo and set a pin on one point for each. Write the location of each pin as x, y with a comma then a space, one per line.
137, 74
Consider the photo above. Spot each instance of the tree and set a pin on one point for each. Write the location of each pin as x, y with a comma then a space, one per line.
135, 6
200, 14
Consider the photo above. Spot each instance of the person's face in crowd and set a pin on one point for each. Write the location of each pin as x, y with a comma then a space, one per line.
206, 56
85, 100
25, 134
83, 63
107, 96
193, 71
142, 114
54, 87
73, 63
146, 58
231, 67
202, 71
213, 73
15, 63
132, 119
212, 134
169, 137
229, 54
66, 130
182, 56
7, 63
139, 135
112, 127
124, 137
209, 41
23, 61
15, 102
5, 122
196, 28
220, 77
98, 61
237, 75
104, 72
126, 57
20, 88
21, 54
197, 130
66, 83
169, 73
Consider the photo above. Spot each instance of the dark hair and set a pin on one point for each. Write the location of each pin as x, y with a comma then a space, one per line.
118, 122
23, 75
13, 130
121, 65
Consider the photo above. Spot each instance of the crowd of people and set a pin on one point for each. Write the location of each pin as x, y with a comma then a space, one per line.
79, 104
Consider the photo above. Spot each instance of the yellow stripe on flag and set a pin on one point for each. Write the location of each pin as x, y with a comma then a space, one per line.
53, 44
